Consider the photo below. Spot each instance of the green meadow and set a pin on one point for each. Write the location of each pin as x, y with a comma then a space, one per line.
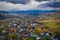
53, 24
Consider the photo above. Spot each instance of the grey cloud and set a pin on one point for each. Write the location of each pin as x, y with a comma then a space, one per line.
24, 1
41, 0
48, 0
44, 5
17, 1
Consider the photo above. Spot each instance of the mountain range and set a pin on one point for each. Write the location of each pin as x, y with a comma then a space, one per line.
30, 11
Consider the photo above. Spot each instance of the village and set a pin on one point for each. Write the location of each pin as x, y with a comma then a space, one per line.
26, 28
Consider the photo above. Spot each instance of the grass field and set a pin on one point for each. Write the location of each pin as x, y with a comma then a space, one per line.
53, 24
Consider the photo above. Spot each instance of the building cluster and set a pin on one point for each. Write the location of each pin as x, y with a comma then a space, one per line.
23, 28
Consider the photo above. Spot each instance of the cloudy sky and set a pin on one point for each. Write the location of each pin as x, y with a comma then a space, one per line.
29, 5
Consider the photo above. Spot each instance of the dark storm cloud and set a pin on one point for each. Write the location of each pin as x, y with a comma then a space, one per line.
29, 5
17, 1
41, 0
21, 1
24, 1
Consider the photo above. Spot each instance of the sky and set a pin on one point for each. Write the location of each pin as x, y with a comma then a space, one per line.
29, 5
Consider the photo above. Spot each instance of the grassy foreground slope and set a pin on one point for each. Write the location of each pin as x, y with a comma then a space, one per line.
53, 24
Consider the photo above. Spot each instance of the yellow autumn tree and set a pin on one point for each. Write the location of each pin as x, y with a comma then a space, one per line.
37, 29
